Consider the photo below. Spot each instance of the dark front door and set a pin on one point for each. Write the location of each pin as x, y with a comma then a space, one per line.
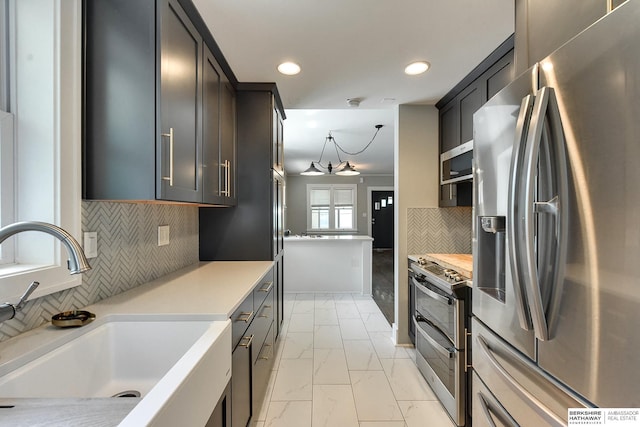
382, 219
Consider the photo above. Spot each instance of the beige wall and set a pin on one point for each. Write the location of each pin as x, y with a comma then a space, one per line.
296, 197
416, 184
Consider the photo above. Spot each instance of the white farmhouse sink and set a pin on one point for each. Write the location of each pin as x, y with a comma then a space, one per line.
170, 360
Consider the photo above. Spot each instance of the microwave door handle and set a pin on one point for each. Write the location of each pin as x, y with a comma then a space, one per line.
513, 237
516, 387
556, 245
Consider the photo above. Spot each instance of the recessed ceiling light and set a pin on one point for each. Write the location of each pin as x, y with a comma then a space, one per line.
289, 68
418, 67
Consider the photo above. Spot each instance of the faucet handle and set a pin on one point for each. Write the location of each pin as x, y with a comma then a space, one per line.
32, 287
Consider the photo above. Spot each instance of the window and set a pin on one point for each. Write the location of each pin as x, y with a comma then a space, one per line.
40, 159
331, 207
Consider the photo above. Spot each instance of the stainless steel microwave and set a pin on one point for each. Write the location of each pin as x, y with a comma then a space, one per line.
456, 164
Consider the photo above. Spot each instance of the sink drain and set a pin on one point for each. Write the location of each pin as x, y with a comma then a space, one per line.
128, 393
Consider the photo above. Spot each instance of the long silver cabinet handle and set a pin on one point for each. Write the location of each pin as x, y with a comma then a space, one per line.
266, 287
246, 341
245, 317
266, 346
447, 352
265, 307
524, 394
227, 173
170, 177
432, 294
514, 203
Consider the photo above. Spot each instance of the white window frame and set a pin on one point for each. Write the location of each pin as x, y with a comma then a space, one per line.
44, 85
332, 210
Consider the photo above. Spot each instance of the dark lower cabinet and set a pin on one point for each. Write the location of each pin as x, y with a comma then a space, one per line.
253, 338
221, 416
241, 381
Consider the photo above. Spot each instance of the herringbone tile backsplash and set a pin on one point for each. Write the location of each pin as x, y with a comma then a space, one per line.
435, 230
128, 256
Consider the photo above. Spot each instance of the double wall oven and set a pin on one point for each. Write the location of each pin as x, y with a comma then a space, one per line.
440, 321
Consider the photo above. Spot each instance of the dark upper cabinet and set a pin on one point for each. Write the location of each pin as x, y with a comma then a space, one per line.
219, 134
155, 111
456, 111
253, 229
498, 76
228, 142
450, 126
179, 156
470, 100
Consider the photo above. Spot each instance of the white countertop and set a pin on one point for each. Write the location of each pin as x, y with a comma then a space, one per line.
211, 289
328, 238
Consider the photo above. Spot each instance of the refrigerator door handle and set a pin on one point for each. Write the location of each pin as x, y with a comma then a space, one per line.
513, 238
516, 387
544, 106
485, 410
526, 223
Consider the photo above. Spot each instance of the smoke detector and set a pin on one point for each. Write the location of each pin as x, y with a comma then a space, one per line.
353, 102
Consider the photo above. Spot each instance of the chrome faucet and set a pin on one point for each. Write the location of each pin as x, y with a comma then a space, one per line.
77, 262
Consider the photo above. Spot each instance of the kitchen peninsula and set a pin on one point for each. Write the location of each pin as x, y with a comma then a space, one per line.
328, 263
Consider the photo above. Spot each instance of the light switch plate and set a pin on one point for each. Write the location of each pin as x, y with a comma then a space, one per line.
90, 240
163, 235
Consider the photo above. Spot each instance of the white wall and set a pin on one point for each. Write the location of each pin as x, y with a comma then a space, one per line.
416, 185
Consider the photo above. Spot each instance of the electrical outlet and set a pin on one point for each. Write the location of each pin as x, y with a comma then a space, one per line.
90, 240
163, 235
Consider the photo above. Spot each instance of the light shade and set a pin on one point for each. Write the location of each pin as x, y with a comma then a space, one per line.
415, 68
312, 171
347, 170
289, 68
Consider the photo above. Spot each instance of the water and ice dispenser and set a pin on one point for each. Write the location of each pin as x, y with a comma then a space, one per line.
491, 256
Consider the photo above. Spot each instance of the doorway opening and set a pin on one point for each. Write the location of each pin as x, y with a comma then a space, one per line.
381, 228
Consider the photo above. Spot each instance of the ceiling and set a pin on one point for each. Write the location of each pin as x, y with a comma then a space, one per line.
354, 49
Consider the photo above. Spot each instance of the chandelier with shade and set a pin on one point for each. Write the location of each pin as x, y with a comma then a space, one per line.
345, 167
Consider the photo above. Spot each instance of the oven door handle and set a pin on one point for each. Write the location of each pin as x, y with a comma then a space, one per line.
447, 352
432, 294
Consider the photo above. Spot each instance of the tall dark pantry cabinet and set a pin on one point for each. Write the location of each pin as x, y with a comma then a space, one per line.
252, 230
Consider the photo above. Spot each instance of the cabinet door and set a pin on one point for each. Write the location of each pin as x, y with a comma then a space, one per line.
449, 126
447, 195
241, 382
498, 76
278, 145
211, 168
221, 416
228, 141
180, 99
470, 101
278, 214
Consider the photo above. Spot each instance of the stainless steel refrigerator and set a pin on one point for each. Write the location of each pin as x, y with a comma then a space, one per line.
556, 296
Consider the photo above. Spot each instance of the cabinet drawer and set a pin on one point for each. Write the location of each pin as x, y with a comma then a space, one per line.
263, 321
241, 319
262, 290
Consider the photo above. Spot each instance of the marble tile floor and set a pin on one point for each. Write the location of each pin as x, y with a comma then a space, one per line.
336, 366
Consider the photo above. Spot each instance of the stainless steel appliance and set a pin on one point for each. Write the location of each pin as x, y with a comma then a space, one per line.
441, 321
456, 165
556, 296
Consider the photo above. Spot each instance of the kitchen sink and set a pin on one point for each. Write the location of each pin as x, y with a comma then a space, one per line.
163, 359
